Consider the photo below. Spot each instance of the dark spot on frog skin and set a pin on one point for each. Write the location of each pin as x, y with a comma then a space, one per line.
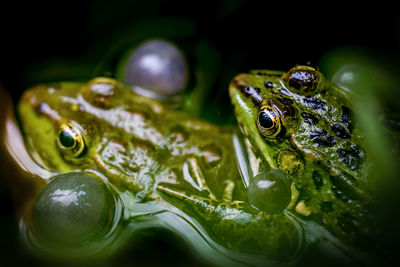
288, 110
317, 178
353, 157
340, 131
322, 138
285, 101
314, 103
309, 118
346, 118
268, 84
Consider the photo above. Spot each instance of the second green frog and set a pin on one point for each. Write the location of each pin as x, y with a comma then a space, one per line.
302, 124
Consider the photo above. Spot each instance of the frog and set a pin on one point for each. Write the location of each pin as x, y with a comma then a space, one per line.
150, 154
300, 122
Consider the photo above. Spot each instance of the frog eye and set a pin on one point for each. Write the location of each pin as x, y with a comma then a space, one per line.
303, 78
70, 140
268, 121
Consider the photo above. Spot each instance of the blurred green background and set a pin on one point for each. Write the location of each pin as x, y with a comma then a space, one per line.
76, 40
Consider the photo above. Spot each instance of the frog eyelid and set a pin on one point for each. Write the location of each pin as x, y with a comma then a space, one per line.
306, 79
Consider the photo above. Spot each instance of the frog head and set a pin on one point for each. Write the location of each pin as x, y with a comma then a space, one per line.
130, 139
94, 125
299, 122
297, 117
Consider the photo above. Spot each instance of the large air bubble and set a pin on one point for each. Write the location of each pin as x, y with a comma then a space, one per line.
270, 191
73, 208
156, 66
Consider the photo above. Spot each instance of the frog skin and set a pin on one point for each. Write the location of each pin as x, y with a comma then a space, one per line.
299, 122
156, 154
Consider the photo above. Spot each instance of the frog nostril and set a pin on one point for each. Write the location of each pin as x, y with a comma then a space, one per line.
254, 93
248, 90
268, 85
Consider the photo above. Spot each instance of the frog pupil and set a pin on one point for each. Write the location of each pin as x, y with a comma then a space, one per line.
66, 139
265, 120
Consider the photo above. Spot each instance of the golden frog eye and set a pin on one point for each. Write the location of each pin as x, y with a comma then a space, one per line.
70, 140
268, 121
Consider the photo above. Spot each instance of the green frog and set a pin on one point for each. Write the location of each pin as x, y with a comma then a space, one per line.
300, 123
299, 158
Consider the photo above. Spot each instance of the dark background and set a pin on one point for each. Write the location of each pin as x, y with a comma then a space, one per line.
43, 41
247, 34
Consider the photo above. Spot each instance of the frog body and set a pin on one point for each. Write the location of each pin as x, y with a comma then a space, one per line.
302, 124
